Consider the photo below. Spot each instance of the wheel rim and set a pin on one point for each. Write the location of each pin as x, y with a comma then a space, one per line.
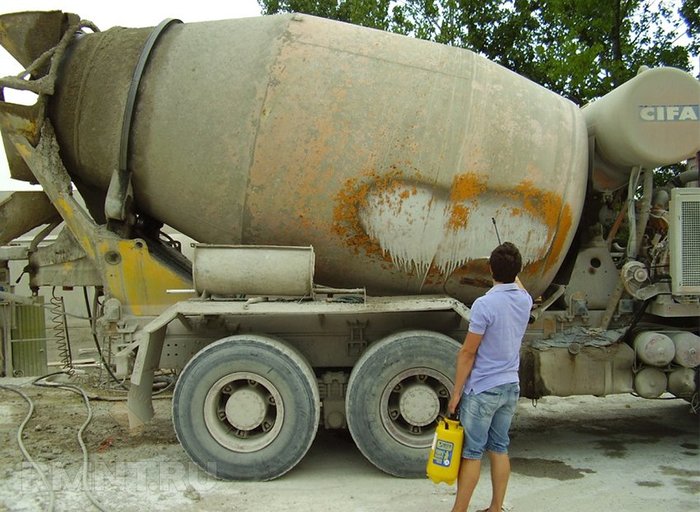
411, 403
244, 412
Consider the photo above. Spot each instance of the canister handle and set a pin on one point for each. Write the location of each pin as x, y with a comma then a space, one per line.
450, 417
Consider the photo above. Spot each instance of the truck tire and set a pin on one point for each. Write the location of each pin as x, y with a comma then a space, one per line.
396, 392
246, 408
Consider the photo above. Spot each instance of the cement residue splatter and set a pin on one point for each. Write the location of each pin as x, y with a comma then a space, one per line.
686, 485
615, 444
686, 473
646, 483
688, 480
613, 449
544, 468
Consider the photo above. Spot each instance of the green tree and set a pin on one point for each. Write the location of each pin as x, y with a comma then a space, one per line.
690, 12
368, 13
580, 49
585, 55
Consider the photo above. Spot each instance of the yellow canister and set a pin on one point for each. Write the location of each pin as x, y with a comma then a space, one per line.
446, 452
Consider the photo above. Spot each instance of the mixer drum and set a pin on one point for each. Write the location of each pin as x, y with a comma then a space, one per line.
392, 157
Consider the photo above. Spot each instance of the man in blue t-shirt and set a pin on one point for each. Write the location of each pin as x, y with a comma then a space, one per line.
486, 381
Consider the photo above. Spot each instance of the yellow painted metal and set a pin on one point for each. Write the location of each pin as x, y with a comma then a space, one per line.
137, 279
128, 270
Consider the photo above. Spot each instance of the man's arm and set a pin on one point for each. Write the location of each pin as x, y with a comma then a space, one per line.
465, 362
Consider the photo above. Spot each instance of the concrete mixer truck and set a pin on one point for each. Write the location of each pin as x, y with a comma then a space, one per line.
345, 187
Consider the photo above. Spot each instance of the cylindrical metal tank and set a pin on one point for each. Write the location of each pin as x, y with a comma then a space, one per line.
626, 121
654, 348
650, 121
389, 155
250, 270
687, 349
650, 383
681, 382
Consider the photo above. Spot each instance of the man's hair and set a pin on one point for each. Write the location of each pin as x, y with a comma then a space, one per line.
506, 262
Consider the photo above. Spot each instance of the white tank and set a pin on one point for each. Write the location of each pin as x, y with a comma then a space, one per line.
681, 382
650, 383
687, 347
654, 348
627, 122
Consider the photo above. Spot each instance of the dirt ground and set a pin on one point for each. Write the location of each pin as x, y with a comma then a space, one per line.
568, 454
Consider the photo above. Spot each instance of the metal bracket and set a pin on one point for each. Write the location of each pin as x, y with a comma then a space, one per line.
357, 343
119, 196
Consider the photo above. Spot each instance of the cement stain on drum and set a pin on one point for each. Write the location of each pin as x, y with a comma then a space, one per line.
545, 468
423, 227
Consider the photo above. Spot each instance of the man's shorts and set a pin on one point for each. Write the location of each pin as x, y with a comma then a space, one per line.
486, 418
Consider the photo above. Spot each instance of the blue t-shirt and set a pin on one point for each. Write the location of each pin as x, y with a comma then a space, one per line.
501, 316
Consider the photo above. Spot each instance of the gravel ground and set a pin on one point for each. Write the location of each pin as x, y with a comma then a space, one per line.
568, 454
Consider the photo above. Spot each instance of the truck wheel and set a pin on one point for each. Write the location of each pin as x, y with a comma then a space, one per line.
395, 394
246, 408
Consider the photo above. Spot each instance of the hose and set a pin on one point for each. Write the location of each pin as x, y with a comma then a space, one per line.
45, 383
627, 337
615, 228
631, 214
23, 449
644, 208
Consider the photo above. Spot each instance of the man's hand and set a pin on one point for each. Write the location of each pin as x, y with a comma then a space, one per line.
454, 402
